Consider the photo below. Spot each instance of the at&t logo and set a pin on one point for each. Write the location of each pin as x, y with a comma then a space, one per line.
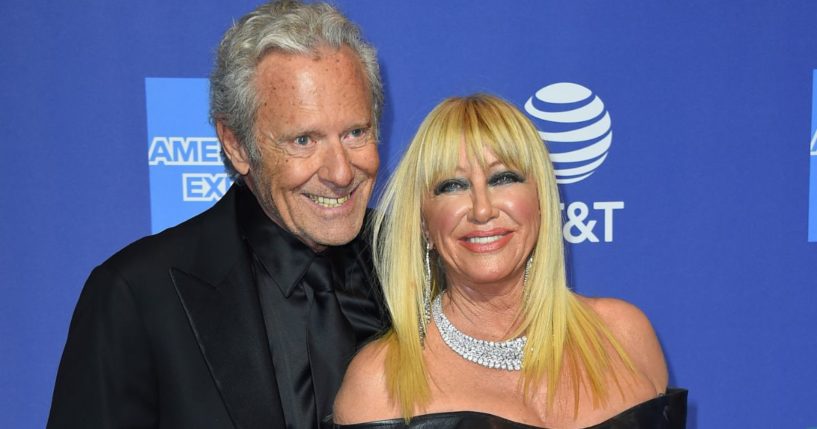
576, 126
580, 226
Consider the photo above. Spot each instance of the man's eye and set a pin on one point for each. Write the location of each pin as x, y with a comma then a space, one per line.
357, 137
505, 178
453, 185
302, 140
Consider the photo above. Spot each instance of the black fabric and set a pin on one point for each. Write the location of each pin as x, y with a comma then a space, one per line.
286, 324
309, 336
170, 333
331, 341
663, 412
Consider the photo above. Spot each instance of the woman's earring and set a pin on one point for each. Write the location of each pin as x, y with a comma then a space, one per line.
527, 271
426, 316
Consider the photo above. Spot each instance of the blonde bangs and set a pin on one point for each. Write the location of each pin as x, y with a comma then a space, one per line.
483, 124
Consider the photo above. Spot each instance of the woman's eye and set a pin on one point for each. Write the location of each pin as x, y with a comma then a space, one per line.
450, 186
505, 178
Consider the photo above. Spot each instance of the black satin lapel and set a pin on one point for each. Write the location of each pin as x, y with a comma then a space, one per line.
228, 326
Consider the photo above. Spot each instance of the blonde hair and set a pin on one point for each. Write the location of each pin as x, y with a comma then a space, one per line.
558, 326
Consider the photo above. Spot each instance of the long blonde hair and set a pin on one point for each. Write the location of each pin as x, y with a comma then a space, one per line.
558, 326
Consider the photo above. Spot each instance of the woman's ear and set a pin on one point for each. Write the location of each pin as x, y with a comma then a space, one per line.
426, 237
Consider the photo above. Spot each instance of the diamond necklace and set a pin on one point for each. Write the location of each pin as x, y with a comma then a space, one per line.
491, 354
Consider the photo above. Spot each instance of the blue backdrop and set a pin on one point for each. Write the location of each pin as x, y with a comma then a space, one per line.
700, 209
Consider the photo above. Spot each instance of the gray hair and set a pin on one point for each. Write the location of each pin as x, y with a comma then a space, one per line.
284, 26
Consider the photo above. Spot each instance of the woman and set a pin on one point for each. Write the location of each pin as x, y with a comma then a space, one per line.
468, 247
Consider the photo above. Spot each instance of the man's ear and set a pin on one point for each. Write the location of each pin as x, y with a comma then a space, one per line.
233, 149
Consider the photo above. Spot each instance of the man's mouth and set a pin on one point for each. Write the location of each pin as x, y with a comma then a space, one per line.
329, 202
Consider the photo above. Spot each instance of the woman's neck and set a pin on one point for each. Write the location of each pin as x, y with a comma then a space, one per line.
485, 312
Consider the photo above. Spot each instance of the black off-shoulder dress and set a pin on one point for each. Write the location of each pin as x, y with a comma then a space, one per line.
667, 411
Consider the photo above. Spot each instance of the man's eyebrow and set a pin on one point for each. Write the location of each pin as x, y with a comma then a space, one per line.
290, 135
354, 125
362, 124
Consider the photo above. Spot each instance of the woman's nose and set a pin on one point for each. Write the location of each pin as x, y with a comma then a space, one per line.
482, 208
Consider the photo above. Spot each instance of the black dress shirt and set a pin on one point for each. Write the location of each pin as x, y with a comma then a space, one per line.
280, 265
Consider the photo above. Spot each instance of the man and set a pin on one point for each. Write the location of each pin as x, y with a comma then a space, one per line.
246, 315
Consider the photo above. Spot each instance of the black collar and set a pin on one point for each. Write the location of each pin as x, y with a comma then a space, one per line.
282, 254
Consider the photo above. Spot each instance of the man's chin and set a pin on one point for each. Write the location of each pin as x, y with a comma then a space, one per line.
337, 239
335, 232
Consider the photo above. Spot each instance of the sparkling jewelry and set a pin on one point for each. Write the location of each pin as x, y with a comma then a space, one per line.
505, 355
426, 313
527, 271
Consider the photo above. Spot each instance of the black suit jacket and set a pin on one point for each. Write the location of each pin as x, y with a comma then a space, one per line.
168, 333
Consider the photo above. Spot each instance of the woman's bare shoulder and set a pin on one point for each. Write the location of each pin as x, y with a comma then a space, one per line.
635, 333
363, 395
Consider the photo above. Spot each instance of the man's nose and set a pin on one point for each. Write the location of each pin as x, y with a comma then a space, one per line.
336, 165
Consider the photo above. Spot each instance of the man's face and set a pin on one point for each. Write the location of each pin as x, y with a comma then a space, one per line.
318, 151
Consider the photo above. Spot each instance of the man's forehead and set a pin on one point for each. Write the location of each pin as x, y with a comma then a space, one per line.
278, 59
315, 53
301, 95
340, 70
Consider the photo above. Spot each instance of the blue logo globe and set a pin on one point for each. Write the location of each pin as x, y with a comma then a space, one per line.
575, 125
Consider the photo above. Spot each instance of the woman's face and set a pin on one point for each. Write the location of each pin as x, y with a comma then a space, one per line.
483, 223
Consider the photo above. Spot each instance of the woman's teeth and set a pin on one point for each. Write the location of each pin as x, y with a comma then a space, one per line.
483, 240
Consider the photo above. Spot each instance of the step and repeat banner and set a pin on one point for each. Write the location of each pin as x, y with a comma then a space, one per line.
684, 136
